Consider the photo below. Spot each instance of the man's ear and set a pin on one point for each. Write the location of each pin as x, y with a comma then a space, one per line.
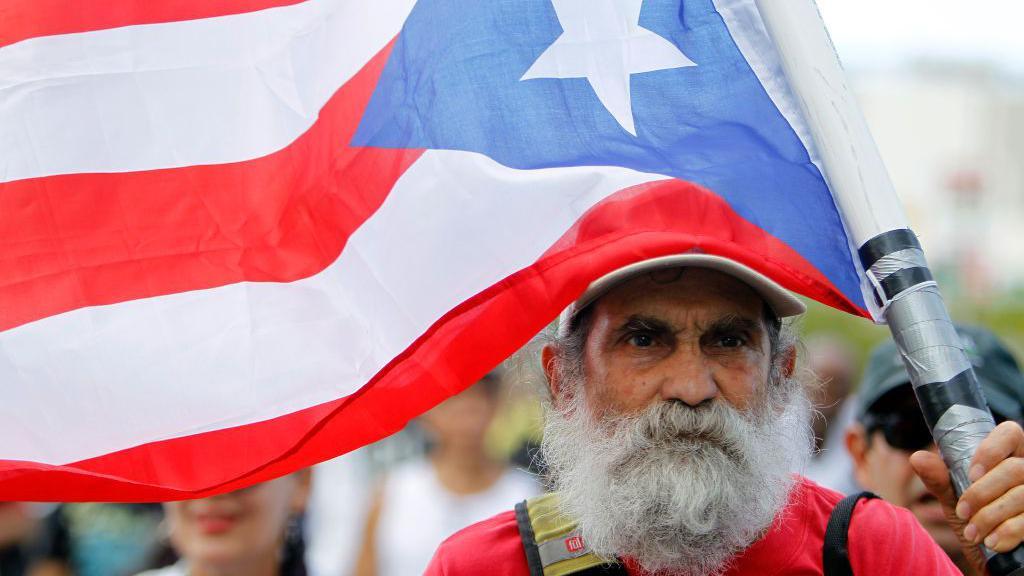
857, 446
548, 360
789, 362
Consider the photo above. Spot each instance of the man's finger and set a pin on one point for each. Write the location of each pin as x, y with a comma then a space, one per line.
1007, 536
1004, 508
1006, 440
1004, 477
933, 472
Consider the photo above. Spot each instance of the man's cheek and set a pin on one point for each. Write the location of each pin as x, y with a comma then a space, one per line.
633, 396
879, 481
894, 483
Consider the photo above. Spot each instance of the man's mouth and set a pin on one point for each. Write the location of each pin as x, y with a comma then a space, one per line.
695, 441
697, 436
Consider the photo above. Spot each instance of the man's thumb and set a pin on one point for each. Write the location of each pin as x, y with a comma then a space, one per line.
933, 472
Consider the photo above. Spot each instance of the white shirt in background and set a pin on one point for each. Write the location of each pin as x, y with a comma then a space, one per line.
418, 513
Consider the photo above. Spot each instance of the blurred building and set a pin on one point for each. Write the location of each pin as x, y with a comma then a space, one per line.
952, 137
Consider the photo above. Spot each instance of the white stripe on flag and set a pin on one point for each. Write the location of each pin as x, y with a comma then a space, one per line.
106, 378
207, 91
747, 29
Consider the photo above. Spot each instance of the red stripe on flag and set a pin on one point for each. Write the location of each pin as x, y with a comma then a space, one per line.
638, 223
23, 19
79, 240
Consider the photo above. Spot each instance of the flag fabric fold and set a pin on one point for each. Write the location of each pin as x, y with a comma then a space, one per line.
242, 239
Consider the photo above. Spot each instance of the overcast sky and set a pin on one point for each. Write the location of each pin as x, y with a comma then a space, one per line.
889, 32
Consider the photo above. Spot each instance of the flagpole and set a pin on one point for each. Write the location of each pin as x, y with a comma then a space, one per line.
900, 287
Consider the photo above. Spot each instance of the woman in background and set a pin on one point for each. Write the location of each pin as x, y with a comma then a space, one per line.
255, 531
422, 502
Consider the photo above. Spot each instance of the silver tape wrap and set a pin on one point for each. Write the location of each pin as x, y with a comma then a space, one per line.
891, 263
958, 432
895, 266
941, 373
926, 337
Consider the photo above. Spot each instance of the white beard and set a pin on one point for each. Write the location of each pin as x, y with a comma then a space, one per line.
679, 488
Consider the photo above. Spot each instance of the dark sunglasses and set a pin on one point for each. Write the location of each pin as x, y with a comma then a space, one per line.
901, 431
904, 431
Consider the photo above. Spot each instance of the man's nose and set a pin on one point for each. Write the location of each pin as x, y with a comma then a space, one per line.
688, 377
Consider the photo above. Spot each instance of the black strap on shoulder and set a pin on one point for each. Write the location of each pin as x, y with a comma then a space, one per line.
835, 553
529, 540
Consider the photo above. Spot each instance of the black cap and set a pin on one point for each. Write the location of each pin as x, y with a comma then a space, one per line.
997, 371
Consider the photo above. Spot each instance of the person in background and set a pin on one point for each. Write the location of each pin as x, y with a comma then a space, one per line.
424, 501
255, 531
832, 362
336, 513
890, 427
96, 539
17, 524
342, 493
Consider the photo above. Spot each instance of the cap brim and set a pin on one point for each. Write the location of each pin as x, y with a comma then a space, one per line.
783, 302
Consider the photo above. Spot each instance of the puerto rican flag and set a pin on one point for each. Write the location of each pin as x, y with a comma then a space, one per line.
239, 237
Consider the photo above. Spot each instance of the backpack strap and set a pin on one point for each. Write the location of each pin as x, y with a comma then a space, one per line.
529, 540
553, 545
835, 552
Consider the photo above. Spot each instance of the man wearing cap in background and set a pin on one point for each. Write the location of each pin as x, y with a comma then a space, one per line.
890, 427
673, 422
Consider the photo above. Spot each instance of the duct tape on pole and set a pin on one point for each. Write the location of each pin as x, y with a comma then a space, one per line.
896, 280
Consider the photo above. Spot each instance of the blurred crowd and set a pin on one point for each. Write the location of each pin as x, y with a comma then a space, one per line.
378, 511
382, 510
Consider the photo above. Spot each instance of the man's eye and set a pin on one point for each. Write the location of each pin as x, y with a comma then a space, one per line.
731, 341
641, 340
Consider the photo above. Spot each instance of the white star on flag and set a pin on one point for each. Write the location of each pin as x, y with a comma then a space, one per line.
602, 41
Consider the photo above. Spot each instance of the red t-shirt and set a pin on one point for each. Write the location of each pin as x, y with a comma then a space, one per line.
883, 539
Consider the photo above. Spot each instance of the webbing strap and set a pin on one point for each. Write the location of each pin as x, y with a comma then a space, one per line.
552, 544
835, 551
529, 540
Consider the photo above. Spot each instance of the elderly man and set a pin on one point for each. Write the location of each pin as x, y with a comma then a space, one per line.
889, 427
672, 428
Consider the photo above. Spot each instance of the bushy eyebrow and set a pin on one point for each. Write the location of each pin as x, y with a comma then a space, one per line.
643, 323
729, 324
733, 323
